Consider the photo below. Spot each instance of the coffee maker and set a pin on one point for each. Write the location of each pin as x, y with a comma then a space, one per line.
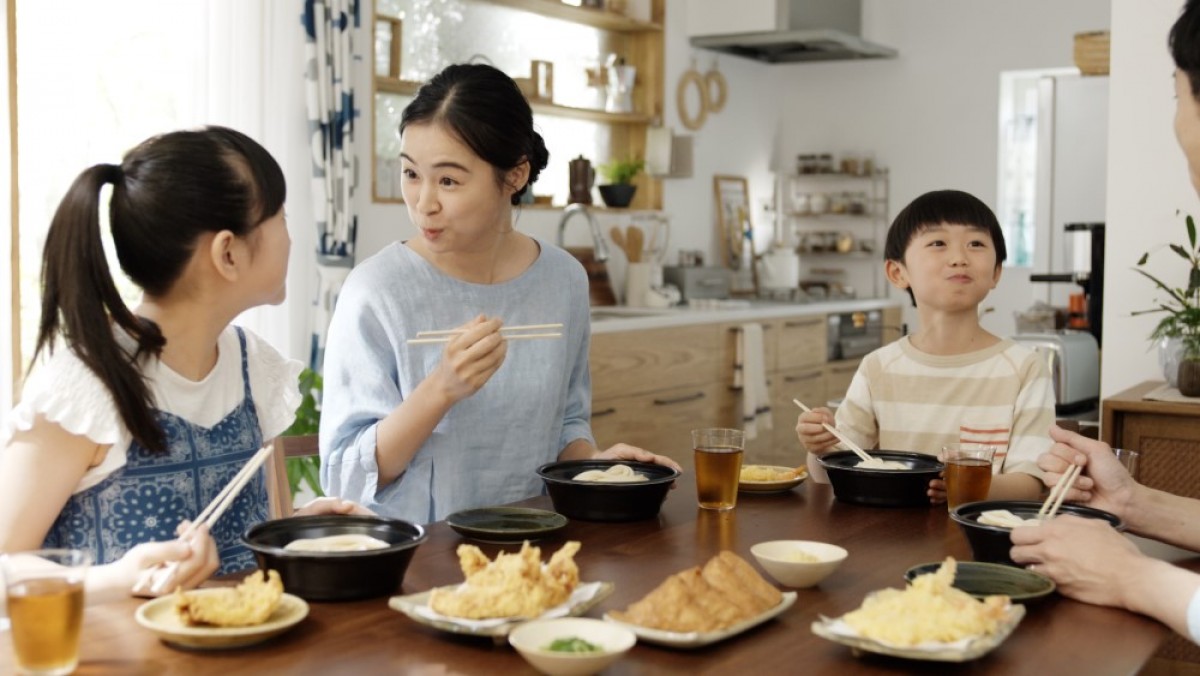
1085, 248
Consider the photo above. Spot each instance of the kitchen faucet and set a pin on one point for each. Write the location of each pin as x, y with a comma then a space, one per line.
601, 252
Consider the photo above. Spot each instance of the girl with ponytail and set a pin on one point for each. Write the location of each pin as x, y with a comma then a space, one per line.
417, 432
132, 420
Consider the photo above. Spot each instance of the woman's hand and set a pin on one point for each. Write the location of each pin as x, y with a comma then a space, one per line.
813, 435
1104, 485
627, 452
1086, 558
470, 358
328, 505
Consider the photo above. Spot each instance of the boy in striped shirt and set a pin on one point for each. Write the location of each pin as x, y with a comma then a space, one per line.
951, 381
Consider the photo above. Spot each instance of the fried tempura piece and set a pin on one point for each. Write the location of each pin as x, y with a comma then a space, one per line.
514, 585
248, 604
726, 591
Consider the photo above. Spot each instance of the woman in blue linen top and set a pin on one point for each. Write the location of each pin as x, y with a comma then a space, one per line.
419, 431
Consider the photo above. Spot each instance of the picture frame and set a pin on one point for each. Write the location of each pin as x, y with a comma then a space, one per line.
731, 195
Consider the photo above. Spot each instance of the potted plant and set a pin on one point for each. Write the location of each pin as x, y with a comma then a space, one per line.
306, 469
619, 190
1183, 312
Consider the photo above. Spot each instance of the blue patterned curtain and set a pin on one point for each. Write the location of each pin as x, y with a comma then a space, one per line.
329, 58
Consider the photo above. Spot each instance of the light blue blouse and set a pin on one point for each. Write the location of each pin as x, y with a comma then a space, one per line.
486, 449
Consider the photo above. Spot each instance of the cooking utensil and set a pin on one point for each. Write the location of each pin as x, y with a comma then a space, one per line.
634, 240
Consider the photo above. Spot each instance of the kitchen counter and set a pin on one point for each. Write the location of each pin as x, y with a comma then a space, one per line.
620, 318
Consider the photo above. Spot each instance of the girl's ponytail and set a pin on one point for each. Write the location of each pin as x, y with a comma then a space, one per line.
80, 301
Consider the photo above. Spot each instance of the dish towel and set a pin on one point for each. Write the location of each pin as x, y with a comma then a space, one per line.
750, 374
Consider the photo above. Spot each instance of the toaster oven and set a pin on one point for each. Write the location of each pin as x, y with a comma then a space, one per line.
1073, 359
852, 335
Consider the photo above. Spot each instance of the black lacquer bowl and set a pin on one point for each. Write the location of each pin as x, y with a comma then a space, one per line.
336, 576
992, 543
595, 501
882, 487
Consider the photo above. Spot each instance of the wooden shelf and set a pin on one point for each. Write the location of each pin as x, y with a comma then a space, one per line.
390, 85
853, 255
832, 218
596, 18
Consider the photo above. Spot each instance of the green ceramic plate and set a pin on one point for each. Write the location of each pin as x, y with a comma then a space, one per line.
506, 524
984, 579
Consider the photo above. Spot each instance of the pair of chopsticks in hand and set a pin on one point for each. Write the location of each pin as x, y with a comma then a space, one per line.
525, 332
841, 437
1058, 492
158, 577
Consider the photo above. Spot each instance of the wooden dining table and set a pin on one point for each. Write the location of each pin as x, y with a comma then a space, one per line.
1057, 635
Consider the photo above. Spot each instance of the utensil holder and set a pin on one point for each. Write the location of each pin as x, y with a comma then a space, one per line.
637, 283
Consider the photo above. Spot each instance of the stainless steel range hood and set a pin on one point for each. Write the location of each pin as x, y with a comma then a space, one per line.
803, 30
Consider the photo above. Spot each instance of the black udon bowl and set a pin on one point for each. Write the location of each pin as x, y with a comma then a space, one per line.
992, 543
336, 576
594, 501
882, 487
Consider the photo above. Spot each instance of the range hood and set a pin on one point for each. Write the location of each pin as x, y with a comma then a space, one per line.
787, 31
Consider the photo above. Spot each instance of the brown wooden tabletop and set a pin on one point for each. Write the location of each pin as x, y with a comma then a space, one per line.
1057, 636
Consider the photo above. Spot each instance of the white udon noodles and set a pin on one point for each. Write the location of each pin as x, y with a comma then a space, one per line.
880, 463
617, 474
1003, 518
347, 542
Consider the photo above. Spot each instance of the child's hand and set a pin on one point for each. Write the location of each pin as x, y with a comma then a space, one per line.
194, 556
937, 491
815, 438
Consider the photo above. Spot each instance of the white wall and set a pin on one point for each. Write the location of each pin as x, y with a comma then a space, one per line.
931, 116
1147, 183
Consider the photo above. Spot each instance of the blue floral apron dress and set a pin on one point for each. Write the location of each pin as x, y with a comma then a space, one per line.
146, 499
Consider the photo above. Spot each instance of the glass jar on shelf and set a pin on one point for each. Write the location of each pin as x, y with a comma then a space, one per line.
818, 203
825, 163
856, 203
838, 203
801, 203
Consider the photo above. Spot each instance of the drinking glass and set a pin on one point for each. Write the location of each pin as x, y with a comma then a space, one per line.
1129, 460
968, 472
718, 465
45, 607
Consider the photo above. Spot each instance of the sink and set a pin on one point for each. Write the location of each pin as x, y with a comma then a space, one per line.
603, 312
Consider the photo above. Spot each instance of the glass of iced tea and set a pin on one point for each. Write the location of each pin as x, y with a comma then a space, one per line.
718, 466
968, 472
45, 607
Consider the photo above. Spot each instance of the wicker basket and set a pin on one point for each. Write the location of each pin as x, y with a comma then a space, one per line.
1091, 52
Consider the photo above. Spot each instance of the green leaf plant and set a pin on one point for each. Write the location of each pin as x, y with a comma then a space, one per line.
1182, 305
306, 469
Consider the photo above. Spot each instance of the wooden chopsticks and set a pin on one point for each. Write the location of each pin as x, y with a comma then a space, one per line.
841, 437
1058, 492
508, 332
161, 575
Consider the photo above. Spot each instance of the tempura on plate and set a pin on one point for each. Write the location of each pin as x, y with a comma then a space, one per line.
514, 585
769, 473
248, 604
929, 610
726, 591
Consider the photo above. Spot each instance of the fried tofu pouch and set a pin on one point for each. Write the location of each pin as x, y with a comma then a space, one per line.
514, 585
248, 604
727, 590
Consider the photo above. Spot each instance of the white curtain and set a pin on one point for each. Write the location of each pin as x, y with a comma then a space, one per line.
8, 377
329, 27
255, 83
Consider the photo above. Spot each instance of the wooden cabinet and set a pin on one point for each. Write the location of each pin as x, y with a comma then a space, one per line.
651, 388
1167, 434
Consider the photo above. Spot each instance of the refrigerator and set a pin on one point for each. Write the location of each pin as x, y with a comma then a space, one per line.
1054, 173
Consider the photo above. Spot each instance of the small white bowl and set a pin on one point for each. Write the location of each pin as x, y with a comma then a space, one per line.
777, 557
532, 638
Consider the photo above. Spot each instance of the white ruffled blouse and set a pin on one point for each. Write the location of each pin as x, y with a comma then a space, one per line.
63, 390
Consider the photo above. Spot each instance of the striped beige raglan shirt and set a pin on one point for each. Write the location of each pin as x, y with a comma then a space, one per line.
907, 400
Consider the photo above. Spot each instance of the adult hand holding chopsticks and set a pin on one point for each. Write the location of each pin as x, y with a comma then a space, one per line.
470, 359
1104, 485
